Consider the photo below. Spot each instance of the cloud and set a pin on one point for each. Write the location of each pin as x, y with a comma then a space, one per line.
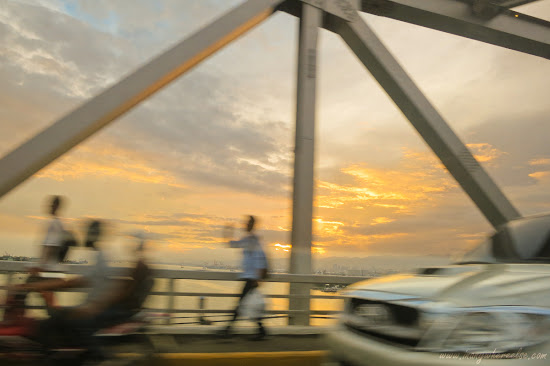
484, 152
382, 220
107, 161
540, 175
201, 129
540, 161
418, 181
412, 207
525, 145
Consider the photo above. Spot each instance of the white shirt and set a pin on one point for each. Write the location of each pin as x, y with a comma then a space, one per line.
54, 235
254, 258
54, 238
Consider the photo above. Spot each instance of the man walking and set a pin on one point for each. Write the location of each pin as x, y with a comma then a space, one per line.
53, 249
53, 240
254, 265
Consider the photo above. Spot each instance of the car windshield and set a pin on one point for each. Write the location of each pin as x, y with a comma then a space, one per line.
525, 241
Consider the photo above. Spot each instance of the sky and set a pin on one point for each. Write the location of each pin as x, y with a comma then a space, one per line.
217, 143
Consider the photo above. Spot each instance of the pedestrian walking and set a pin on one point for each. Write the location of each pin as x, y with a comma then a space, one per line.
55, 234
254, 266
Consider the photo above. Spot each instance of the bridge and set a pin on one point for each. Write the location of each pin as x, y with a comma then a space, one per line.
492, 21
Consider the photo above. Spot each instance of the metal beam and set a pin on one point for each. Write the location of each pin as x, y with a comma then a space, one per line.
302, 206
98, 112
428, 122
515, 3
506, 28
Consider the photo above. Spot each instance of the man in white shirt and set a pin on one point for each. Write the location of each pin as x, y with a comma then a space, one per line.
254, 264
53, 240
51, 249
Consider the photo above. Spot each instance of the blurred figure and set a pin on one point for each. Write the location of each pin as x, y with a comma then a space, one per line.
254, 263
73, 326
130, 294
70, 326
51, 245
55, 246
108, 302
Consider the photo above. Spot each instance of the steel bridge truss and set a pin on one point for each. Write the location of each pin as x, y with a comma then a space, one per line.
483, 20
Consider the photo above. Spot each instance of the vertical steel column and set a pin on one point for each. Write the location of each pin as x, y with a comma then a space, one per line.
427, 121
302, 204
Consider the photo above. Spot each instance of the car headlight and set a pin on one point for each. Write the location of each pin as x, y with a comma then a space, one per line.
483, 330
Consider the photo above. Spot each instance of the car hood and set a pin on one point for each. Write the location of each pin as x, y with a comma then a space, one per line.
466, 285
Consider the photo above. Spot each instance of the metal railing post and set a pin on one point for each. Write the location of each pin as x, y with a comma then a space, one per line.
170, 306
202, 306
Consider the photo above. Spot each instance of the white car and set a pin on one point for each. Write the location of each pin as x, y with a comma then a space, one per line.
492, 308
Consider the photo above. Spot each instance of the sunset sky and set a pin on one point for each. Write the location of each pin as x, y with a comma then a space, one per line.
218, 142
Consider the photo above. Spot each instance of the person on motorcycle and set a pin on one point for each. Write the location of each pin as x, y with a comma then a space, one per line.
108, 301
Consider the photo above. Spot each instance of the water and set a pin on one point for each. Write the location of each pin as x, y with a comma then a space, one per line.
192, 302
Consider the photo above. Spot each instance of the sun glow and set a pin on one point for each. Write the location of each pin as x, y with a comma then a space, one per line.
283, 247
318, 250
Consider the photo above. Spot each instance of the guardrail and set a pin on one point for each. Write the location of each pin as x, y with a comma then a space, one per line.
10, 268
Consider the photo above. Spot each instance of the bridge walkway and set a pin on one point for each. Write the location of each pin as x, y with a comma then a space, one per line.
200, 345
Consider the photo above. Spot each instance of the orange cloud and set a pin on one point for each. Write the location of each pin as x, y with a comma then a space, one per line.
542, 161
382, 220
540, 175
415, 184
328, 227
485, 152
373, 196
385, 205
318, 250
387, 236
376, 196
103, 161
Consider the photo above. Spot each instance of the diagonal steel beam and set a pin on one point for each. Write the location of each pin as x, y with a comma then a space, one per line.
515, 3
98, 112
506, 28
427, 121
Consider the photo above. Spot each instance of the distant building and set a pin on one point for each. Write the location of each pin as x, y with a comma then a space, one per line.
354, 272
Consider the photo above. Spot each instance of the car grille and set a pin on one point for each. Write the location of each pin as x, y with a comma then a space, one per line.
392, 323
402, 315
386, 338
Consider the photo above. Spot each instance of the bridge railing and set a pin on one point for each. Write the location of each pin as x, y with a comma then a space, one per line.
10, 268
